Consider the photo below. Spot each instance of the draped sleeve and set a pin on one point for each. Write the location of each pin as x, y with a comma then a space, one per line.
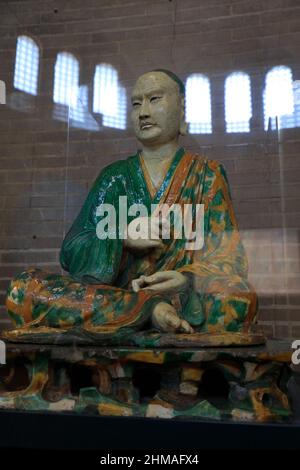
218, 272
222, 253
83, 254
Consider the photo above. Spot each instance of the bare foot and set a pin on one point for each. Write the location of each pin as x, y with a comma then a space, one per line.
165, 318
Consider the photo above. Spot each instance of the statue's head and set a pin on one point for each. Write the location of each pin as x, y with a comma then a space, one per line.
158, 108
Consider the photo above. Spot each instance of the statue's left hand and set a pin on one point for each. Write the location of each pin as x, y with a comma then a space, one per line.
165, 282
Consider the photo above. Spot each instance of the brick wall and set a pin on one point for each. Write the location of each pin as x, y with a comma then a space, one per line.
47, 167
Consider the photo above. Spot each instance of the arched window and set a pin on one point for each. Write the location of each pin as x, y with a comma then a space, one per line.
79, 115
66, 79
109, 97
280, 106
27, 65
238, 106
119, 120
198, 104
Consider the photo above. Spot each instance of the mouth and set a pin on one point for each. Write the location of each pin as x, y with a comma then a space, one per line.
146, 125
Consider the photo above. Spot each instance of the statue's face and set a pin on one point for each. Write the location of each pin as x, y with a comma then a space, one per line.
156, 109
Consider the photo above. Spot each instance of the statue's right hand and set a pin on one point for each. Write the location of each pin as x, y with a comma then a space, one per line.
165, 318
143, 234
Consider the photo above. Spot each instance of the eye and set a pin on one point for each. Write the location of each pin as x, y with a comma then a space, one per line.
155, 98
135, 104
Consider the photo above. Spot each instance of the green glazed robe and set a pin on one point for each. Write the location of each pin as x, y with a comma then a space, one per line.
97, 294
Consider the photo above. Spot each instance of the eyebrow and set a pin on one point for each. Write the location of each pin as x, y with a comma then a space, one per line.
151, 92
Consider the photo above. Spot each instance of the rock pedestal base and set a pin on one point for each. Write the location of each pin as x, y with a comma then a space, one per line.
241, 383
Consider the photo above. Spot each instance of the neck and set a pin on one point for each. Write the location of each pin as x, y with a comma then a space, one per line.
160, 152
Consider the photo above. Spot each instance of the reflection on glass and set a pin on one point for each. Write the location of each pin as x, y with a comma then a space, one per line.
105, 90
66, 79
198, 104
109, 97
26, 65
79, 114
280, 99
296, 93
119, 120
238, 107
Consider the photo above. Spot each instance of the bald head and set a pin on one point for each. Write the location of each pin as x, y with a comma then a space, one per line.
159, 77
175, 78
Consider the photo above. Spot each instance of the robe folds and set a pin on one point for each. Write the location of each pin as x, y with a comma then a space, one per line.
97, 295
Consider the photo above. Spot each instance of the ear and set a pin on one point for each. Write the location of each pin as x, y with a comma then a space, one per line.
183, 130
183, 127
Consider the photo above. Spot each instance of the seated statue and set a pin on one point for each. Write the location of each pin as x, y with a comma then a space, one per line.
129, 278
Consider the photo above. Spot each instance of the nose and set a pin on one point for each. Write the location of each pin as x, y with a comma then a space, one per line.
144, 109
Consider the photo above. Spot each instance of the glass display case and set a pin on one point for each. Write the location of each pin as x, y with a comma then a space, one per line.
66, 79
